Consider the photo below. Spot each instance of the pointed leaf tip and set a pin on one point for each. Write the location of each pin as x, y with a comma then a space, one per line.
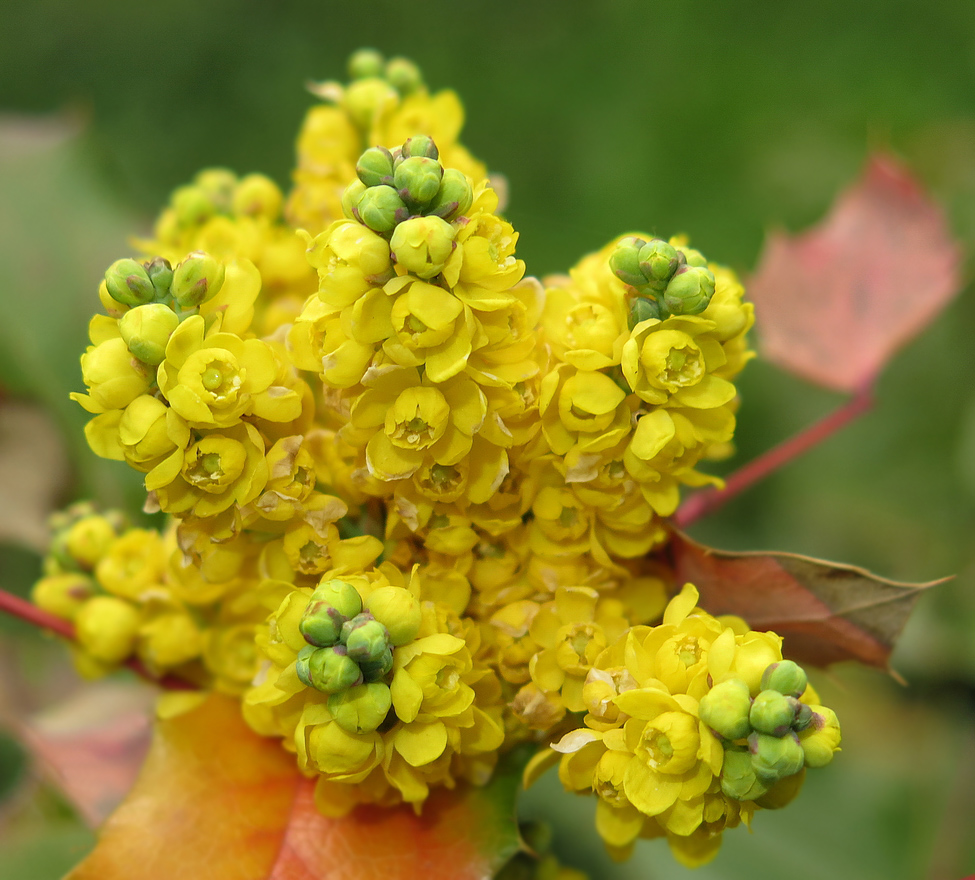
834, 303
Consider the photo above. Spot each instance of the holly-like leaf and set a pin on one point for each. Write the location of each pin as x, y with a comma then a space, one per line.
834, 303
216, 800
826, 612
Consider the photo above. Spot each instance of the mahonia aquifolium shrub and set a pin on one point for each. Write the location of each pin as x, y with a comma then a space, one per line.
414, 495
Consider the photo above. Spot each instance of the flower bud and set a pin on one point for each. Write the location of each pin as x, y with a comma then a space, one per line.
694, 258
146, 331
129, 283
375, 167
417, 179
365, 63
63, 595
658, 262
804, 717
643, 308
321, 624
331, 670
257, 196
774, 757
625, 262
197, 279
725, 709
170, 640
689, 291
88, 540
403, 75
455, 196
365, 637
785, 677
738, 779
398, 610
219, 185
361, 709
420, 145
160, 273
366, 98
342, 596
302, 664
192, 206
422, 245
772, 713
377, 670
380, 208
106, 627
350, 198
821, 739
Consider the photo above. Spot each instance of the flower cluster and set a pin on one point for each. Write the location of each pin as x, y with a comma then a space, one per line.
417, 500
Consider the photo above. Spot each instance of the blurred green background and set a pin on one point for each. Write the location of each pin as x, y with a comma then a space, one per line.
717, 119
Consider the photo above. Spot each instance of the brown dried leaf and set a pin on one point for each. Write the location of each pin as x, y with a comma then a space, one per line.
834, 303
826, 612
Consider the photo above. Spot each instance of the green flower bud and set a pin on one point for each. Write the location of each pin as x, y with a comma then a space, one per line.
361, 709
63, 595
782, 793
377, 670
804, 717
342, 596
88, 540
772, 713
219, 185
106, 627
420, 145
364, 99
417, 179
821, 738
197, 279
331, 670
365, 63
658, 262
192, 206
321, 624
302, 663
738, 779
625, 262
422, 245
129, 283
643, 308
785, 677
146, 331
689, 291
455, 196
774, 757
160, 273
398, 610
403, 75
257, 196
350, 198
380, 208
694, 258
365, 637
375, 167
725, 709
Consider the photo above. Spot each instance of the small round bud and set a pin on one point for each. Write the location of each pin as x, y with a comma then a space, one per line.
455, 196
146, 331
403, 75
398, 610
774, 757
420, 145
192, 206
738, 779
257, 196
321, 624
350, 198
658, 262
365, 63
331, 670
106, 627
377, 670
342, 596
160, 272
625, 263
772, 713
375, 167
642, 308
785, 677
88, 540
63, 595
380, 208
821, 738
689, 291
365, 637
129, 283
422, 245
725, 709
361, 709
804, 717
694, 258
417, 179
302, 663
219, 185
197, 279
366, 98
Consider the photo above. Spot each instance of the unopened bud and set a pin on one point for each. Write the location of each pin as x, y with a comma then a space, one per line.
821, 738
398, 610
694, 257
772, 713
365, 63
403, 75
785, 677
129, 283
774, 757
146, 331
366, 98
321, 624
350, 198
257, 196
219, 185
642, 308
88, 540
738, 779
63, 595
192, 206
625, 262
689, 291
106, 627
422, 245
804, 717
420, 145
360, 709
375, 167
725, 709
302, 662
455, 196
380, 208
417, 179
658, 262
331, 670
197, 279
377, 670
160, 273
365, 637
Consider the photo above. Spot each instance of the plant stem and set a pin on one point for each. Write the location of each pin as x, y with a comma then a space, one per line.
25, 610
707, 502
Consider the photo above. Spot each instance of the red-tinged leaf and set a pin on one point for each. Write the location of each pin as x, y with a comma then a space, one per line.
825, 612
834, 303
216, 800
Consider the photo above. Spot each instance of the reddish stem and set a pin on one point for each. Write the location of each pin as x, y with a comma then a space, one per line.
23, 609
707, 502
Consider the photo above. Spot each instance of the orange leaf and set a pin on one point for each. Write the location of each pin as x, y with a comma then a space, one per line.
216, 800
825, 612
834, 303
